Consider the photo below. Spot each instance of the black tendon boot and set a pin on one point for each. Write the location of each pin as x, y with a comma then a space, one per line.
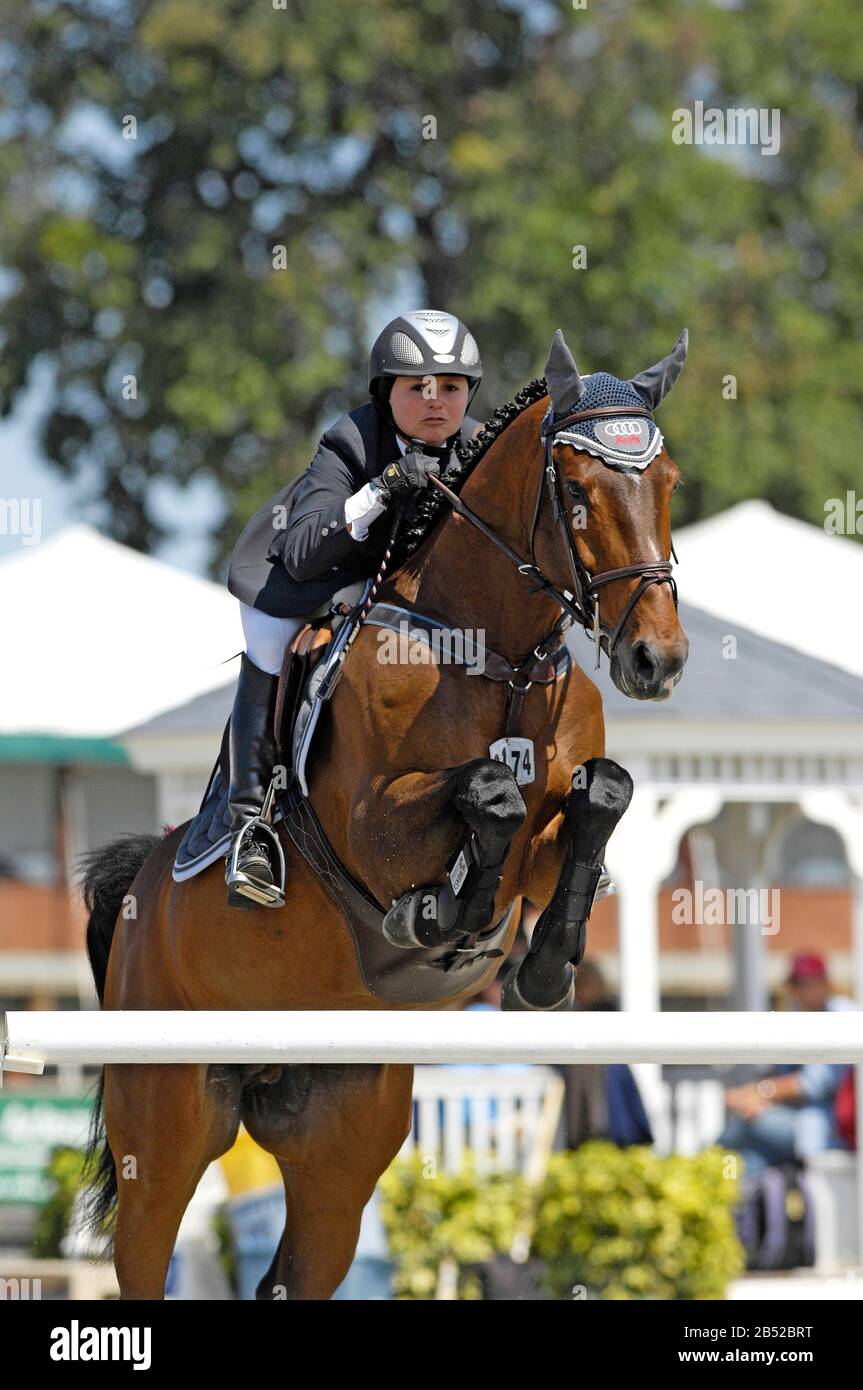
253, 855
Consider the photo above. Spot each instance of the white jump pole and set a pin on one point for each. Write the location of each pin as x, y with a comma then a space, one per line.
32, 1040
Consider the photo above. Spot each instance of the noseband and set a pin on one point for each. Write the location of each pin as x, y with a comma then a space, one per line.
583, 608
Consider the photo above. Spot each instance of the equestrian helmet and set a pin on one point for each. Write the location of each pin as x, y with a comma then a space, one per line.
423, 343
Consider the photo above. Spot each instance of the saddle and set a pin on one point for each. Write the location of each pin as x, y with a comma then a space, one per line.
301, 659
309, 657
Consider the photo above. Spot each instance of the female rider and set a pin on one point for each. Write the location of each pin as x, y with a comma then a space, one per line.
328, 530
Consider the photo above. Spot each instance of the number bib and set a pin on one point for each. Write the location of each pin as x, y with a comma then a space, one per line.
517, 753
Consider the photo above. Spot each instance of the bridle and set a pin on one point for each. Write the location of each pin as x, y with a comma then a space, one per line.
583, 607
587, 587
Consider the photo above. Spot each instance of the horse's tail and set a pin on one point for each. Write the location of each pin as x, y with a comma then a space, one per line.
104, 876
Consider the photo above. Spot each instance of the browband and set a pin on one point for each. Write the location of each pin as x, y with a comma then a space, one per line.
602, 410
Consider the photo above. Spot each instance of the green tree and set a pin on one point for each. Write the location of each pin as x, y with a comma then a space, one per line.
451, 155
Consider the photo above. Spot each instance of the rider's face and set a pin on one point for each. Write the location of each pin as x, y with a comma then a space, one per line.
429, 407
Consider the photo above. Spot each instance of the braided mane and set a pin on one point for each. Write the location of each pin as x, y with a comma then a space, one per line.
426, 514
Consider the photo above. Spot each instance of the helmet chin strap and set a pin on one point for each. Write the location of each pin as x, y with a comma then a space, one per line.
440, 451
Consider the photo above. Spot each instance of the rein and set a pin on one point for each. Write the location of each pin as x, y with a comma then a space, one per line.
584, 608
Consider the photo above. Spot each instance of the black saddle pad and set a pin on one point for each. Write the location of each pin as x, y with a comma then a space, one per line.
208, 835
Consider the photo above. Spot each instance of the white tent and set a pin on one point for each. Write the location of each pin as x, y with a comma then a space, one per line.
97, 637
101, 638
777, 576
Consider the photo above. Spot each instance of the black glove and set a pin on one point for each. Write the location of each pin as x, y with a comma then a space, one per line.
405, 475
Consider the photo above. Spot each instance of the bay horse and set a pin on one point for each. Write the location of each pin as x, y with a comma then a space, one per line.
401, 774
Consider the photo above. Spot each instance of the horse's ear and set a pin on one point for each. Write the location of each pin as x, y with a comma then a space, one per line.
658, 380
565, 386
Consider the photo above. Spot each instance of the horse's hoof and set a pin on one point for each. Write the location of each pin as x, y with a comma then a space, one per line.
513, 1001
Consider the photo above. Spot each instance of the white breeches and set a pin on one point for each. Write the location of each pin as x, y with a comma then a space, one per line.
268, 638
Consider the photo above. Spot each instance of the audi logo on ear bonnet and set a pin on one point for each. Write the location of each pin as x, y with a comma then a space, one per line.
630, 435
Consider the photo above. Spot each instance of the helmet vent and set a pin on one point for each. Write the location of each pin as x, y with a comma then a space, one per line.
404, 350
433, 322
469, 351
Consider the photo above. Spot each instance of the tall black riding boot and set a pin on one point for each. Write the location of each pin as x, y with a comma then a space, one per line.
250, 872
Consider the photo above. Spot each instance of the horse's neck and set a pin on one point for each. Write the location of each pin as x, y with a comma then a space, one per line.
463, 578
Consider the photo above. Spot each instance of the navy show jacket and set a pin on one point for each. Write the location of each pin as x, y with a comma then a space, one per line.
296, 551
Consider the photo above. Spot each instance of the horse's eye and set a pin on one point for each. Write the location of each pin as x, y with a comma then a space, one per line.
576, 490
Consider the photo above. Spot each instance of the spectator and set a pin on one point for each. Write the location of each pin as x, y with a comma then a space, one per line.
789, 1115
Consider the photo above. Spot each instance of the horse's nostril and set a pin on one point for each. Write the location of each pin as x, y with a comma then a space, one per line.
645, 666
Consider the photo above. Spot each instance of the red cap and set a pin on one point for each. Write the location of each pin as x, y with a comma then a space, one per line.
807, 967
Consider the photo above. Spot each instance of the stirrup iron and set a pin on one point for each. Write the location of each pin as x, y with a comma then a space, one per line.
262, 824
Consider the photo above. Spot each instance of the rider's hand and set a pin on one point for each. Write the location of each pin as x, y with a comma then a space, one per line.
406, 475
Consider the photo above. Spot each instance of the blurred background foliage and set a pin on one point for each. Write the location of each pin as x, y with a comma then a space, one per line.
608, 1223
304, 127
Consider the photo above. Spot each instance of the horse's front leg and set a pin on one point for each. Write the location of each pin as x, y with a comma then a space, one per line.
485, 802
546, 977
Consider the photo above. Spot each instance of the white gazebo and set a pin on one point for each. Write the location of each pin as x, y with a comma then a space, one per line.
751, 722
769, 710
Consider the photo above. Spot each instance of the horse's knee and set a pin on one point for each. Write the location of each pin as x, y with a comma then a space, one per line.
601, 792
488, 797
606, 785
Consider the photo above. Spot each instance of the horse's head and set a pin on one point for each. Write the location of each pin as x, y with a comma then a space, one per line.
607, 535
